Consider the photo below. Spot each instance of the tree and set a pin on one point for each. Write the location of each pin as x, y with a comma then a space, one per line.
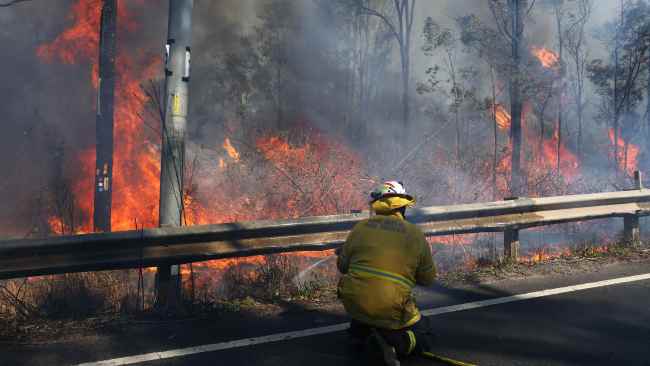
576, 48
441, 39
509, 18
400, 28
239, 77
274, 37
489, 46
619, 81
560, 13
456, 84
361, 52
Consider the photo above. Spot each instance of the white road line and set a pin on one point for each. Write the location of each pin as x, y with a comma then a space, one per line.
339, 327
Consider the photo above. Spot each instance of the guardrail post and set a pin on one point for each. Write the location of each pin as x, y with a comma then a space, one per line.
631, 229
631, 232
168, 289
511, 245
638, 181
511, 240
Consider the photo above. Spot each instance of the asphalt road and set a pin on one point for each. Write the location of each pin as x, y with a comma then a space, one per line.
607, 325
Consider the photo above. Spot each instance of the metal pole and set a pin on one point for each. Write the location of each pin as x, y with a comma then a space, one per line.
104, 118
177, 76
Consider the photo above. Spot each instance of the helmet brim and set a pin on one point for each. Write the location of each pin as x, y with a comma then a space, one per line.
407, 196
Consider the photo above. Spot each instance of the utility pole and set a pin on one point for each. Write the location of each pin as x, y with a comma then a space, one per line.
104, 118
177, 77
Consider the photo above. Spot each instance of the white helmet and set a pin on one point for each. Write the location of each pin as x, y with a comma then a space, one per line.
391, 188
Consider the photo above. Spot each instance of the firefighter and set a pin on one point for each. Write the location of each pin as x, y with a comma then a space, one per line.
382, 259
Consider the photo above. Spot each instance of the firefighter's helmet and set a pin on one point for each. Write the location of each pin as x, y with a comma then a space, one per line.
390, 188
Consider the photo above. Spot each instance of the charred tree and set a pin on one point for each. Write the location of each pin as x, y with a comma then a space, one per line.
576, 41
647, 112
516, 178
104, 118
177, 72
558, 9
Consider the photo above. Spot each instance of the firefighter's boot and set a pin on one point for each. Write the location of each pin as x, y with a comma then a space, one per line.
377, 349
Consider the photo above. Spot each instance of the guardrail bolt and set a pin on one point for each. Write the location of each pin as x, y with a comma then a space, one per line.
511, 245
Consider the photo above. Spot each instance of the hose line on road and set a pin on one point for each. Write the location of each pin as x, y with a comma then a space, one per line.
447, 360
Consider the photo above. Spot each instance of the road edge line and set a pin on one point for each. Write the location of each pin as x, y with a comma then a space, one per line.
277, 337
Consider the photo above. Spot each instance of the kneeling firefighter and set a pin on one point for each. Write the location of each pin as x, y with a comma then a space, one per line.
383, 258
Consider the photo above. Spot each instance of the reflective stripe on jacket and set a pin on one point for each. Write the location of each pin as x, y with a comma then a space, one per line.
382, 260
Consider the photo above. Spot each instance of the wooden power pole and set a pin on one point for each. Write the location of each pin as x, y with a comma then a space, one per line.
104, 118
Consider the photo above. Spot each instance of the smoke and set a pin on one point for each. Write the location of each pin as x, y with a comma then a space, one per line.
48, 108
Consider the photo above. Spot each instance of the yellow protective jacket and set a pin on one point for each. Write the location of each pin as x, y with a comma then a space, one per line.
383, 258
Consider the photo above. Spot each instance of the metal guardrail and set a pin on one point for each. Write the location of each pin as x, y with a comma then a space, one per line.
174, 245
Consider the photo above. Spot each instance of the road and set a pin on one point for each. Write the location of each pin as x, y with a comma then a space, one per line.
605, 325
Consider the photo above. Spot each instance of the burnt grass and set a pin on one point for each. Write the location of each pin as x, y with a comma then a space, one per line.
39, 329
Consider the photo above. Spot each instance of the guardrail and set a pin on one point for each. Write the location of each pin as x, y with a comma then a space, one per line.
174, 245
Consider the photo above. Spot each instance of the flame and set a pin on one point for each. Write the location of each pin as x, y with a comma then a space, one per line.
136, 168
502, 117
626, 162
545, 254
232, 152
543, 162
329, 175
568, 161
545, 56
466, 239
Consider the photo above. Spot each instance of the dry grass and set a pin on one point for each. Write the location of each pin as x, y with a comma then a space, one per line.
70, 296
271, 280
85, 295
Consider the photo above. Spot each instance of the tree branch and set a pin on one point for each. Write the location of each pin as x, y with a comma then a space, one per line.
12, 2
393, 31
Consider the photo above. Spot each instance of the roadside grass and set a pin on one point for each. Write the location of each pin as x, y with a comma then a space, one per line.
124, 293
273, 281
584, 251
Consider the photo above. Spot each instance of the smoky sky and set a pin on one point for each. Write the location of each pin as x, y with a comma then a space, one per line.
45, 105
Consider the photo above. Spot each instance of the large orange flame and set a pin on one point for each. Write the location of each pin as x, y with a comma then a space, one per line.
628, 154
502, 116
545, 56
543, 161
232, 152
136, 157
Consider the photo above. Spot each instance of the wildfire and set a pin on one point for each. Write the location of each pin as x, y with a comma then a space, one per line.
628, 154
502, 117
545, 157
467, 239
568, 161
136, 169
232, 152
545, 254
545, 56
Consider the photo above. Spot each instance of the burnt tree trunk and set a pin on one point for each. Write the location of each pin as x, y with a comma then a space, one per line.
647, 140
560, 35
516, 186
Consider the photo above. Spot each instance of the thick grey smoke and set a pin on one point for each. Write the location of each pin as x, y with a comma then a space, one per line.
48, 112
